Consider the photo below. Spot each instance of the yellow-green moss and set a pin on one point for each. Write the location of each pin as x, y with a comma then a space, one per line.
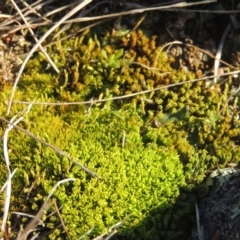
172, 135
134, 176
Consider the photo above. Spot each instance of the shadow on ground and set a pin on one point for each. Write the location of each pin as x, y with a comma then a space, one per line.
168, 221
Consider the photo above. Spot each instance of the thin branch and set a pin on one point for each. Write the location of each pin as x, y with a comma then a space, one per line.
30, 216
59, 151
60, 217
32, 225
129, 95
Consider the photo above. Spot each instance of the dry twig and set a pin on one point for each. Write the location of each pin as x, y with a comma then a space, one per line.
129, 95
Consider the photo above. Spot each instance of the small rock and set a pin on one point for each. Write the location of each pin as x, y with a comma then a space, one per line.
220, 210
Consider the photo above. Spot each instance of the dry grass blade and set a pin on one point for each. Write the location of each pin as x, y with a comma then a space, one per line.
105, 17
199, 228
61, 219
141, 10
5, 184
85, 234
72, 12
72, 34
129, 95
35, 22
57, 184
219, 51
32, 225
13, 122
83, 13
111, 232
7, 24
28, 215
32, 10
59, 151
32, 33
5, 16
60, 9
36, 219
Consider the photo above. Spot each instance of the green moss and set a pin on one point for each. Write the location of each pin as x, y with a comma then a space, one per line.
134, 176
145, 148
